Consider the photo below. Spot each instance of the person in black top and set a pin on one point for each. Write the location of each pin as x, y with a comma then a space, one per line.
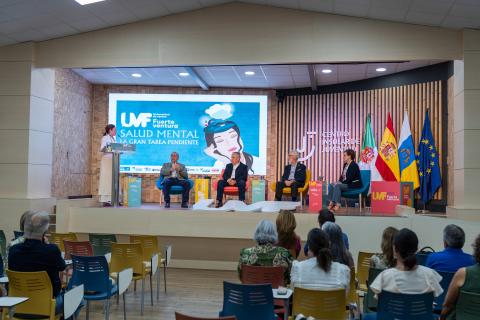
349, 179
235, 174
36, 254
294, 176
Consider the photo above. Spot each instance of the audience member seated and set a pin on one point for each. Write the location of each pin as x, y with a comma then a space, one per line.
22, 226
319, 271
265, 253
323, 216
407, 277
385, 259
452, 257
467, 279
337, 246
36, 254
287, 238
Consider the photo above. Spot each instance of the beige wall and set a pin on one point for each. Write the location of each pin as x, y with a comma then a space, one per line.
72, 135
239, 33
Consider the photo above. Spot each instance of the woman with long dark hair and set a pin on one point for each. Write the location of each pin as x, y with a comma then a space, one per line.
319, 271
407, 276
223, 138
337, 246
105, 180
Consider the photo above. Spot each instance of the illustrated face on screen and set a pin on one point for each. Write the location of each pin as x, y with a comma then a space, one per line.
227, 142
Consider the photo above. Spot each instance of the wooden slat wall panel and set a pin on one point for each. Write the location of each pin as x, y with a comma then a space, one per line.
347, 111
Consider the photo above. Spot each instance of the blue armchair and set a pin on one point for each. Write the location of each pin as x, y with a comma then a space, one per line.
359, 192
173, 190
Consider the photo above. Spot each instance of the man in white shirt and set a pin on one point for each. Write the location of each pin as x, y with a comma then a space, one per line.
294, 176
175, 174
235, 175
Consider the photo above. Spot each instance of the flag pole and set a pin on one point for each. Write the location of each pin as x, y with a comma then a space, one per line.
424, 204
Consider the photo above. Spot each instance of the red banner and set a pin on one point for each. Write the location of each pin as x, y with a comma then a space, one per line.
315, 196
385, 197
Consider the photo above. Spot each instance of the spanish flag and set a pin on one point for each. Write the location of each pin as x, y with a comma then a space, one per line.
387, 160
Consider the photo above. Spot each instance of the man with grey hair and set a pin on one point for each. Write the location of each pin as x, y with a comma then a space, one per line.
174, 174
452, 257
266, 253
294, 176
234, 175
34, 254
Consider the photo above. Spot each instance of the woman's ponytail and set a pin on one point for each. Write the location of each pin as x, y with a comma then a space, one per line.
319, 245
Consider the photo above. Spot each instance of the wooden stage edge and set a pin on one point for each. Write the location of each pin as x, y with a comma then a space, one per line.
212, 239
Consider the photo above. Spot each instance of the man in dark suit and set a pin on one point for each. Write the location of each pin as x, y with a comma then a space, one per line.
235, 174
294, 176
175, 174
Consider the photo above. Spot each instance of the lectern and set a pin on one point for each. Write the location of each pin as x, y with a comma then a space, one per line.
117, 149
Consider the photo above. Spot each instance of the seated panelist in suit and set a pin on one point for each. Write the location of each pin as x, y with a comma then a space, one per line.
294, 176
349, 179
235, 174
175, 174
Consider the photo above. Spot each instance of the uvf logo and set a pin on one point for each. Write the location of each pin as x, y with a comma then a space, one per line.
141, 120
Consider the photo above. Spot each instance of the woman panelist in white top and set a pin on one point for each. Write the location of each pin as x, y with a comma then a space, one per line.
319, 271
105, 180
407, 277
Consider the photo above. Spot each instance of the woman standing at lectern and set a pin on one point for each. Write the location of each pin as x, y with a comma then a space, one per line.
105, 180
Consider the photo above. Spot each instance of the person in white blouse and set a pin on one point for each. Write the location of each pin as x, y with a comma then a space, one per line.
319, 271
105, 180
407, 276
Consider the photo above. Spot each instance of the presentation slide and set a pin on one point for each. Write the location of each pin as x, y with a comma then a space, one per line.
203, 129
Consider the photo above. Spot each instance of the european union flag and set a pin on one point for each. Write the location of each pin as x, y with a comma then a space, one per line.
427, 162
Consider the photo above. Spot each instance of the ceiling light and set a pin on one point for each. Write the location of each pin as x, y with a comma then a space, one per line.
249, 73
381, 69
84, 2
184, 74
136, 75
326, 71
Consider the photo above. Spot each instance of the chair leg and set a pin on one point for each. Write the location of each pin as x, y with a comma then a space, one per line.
360, 201
165, 276
143, 297
151, 290
107, 309
158, 284
87, 311
135, 285
124, 307
118, 298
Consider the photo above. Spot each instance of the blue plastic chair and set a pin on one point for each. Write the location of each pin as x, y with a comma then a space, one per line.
248, 301
398, 306
173, 189
93, 273
422, 258
359, 192
445, 283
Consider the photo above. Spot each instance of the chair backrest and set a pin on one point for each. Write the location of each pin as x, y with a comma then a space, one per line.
444, 283
92, 272
365, 176
37, 287
263, 275
3, 245
149, 245
78, 248
400, 306
369, 301
468, 306
352, 290
320, 304
180, 316
127, 255
71, 300
159, 182
363, 264
17, 234
248, 301
58, 238
101, 243
422, 258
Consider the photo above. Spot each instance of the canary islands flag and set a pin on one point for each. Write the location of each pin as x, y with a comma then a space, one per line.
406, 152
427, 161
387, 160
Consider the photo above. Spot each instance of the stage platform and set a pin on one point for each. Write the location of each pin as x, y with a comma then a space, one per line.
212, 239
